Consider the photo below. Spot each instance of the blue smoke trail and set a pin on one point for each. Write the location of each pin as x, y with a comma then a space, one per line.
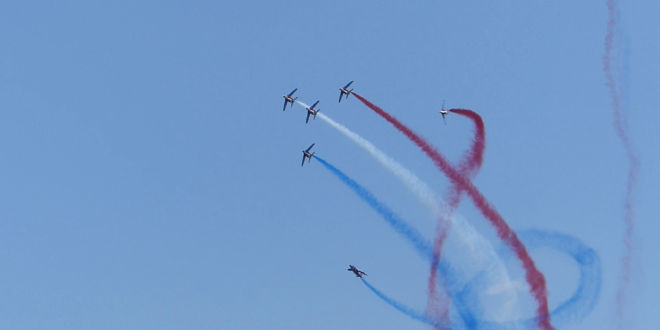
463, 294
403, 308
400, 226
571, 311
586, 296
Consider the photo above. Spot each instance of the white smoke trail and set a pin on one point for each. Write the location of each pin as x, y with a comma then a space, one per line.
419, 188
471, 243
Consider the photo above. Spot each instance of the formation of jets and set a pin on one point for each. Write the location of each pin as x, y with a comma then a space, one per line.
312, 111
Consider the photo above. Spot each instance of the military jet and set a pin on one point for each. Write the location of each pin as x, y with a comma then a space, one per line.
312, 111
356, 271
444, 112
307, 154
344, 91
289, 99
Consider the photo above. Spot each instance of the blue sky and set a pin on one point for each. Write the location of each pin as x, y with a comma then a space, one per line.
150, 179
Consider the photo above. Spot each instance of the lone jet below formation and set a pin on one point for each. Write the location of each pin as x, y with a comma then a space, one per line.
312, 111
289, 99
356, 271
444, 112
307, 154
344, 91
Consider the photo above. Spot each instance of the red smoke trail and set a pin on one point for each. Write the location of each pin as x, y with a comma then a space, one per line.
621, 129
533, 276
472, 161
437, 306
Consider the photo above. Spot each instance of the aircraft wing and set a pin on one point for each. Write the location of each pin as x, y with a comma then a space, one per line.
307, 120
303, 161
341, 93
293, 92
285, 102
317, 102
348, 84
310, 147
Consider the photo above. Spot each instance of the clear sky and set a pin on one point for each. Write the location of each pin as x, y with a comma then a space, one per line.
151, 180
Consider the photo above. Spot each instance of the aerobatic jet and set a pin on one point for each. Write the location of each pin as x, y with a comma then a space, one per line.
289, 99
312, 111
307, 154
344, 91
356, 271
444, 112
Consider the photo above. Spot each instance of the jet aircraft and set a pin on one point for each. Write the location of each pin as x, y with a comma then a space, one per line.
444, 112
356, 271
289, 99
307, 154
344, 91
312, 111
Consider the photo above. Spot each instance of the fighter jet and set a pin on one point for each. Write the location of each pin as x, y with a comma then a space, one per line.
444, 112
289, 99
307, 154
344, 91
356, 271
312, 111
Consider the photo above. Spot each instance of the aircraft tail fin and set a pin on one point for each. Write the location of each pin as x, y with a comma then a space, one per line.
349, 93
294, 101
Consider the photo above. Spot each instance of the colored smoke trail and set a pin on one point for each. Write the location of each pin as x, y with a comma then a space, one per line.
574, 309
472, 161
468, 167
405, 309
399, 225
533, 276
414, 184
621, 128
481, 252
589, 283
569, 312
411, 234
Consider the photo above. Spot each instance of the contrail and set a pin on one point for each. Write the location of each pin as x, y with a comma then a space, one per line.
405, 309
469, 165
571, 311
587, 293
411, 234
414, 184
621, 129
533, 276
